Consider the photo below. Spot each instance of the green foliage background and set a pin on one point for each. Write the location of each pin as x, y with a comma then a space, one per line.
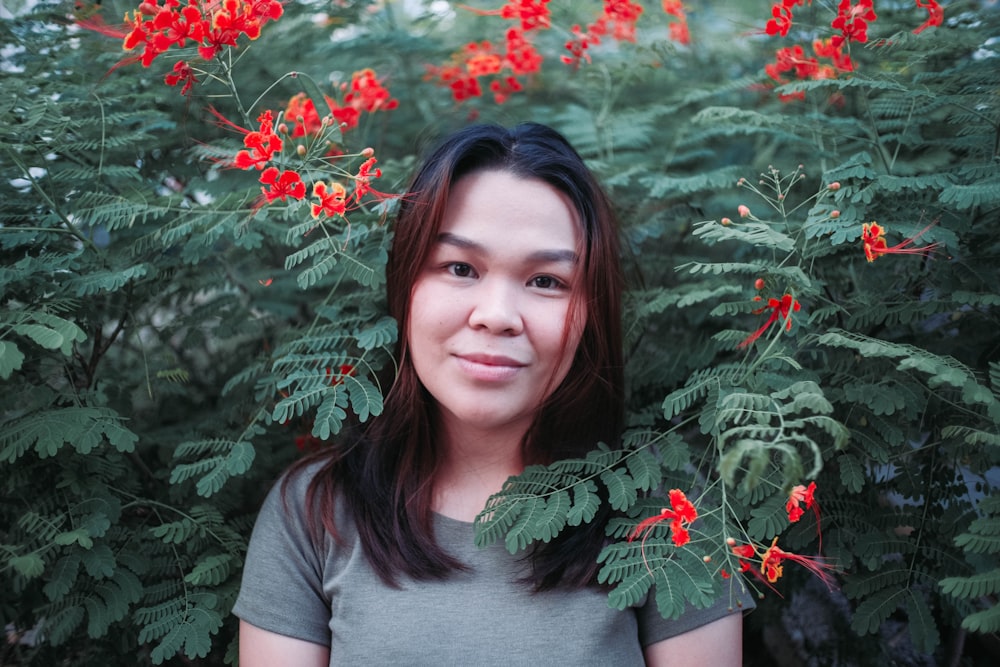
155, 382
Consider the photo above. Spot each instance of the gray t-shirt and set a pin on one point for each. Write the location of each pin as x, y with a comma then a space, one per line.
326, 593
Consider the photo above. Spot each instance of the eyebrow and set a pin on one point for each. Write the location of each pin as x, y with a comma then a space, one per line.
464, 243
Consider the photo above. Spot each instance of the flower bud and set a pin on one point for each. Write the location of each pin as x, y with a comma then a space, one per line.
706, 558
759, 283
726, 221
731, 541
368, 152
834, 214
744, 210
282, 128
300, 150
834, 186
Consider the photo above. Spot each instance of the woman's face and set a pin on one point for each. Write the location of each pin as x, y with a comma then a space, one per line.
490, 329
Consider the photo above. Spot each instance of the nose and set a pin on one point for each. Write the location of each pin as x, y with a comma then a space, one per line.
496, 308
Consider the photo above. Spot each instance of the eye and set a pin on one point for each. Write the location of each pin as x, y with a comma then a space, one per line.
546, 282
461, 270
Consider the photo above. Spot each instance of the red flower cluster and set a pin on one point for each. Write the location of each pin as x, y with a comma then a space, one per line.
681, 514
365, 93
782, 21
873, 240
793, 59
772, 563
679, 31
480, 60
507, 65
531, 13
852, 21
780, 311
621, 15
210, 25
260, 145
264, 146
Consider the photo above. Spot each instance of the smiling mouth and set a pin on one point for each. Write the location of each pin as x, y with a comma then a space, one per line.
489, 368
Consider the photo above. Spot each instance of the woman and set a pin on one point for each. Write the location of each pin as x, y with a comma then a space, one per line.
505, 281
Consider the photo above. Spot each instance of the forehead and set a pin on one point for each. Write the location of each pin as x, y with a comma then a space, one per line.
511, 211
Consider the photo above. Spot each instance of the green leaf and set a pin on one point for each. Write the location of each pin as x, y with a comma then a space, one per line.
79, 536
875, 610
69, 331
521, 533
28, 566
62, 576
553, 519
380, 334
622, 490
47, 431
365, 398
11, 359
240, 458
923, 627
852, 473
644, 469
975, 586
48, 338
211, 570
769, 518
585, 503
985, 621
190, 629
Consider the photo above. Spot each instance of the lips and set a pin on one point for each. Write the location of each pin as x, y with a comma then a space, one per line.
488, 367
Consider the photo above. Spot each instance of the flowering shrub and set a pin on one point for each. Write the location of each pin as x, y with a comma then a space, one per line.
193, 231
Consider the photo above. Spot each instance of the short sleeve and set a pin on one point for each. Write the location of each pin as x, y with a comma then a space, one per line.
282, 587
654, 628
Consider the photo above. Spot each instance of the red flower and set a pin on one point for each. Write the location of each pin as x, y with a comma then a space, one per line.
782, 21
531, 13
681, 513
679, 28
623, 14
771, 565
363, 181
481, 60
332, 199
800, 495
261, 145
873, 240
283, 184
211, 25
779, 310
301, 112
521, 55
503, 88
852, 21
935, 15
578, 46
182, 72
366, 93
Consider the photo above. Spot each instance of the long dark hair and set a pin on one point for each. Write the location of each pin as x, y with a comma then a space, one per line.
385, 474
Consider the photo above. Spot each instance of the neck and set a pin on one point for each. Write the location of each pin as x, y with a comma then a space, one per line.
474, 466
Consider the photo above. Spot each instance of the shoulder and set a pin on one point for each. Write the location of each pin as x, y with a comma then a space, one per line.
306, 504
